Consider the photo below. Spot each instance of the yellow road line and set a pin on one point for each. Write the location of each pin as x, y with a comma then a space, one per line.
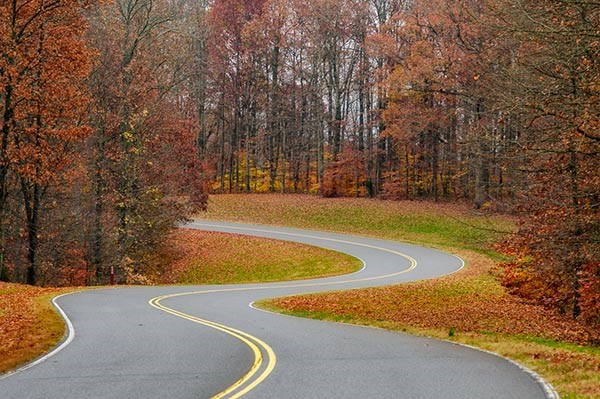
255, 344
246, 338
413, 262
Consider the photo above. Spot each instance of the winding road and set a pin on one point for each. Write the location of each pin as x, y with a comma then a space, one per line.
209, 342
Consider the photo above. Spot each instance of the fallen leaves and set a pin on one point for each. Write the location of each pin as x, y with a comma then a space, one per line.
471, 307
217, 258
469, 301
453, 225
27, 326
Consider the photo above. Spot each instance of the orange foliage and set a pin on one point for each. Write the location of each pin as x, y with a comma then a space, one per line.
590, 293
346, 176
44, 65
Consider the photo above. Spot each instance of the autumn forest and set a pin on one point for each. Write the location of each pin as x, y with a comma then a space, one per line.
119, 117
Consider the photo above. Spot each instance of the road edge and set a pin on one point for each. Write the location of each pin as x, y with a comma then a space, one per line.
544, 385
63, 343
548, 389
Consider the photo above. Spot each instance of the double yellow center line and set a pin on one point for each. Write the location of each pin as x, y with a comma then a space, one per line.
259, 348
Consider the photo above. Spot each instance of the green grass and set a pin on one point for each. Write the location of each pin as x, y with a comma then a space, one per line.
439, 225
590, 350
219, 258
274, 269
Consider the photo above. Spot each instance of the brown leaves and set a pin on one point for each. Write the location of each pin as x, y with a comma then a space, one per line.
469, 301
210, 257
24, 332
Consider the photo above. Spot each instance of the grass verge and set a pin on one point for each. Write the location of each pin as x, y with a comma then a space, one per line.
219, 258
440, 225
469, 307
30, 326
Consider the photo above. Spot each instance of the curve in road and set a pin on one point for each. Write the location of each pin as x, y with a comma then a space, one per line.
125, 348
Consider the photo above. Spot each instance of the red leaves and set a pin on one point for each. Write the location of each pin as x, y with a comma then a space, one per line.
345, 176
557, 261
590, 293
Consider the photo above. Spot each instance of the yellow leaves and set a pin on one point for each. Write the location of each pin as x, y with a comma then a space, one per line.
128, 136
152, 190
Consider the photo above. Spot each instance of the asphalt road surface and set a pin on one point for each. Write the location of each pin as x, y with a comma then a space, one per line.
209, 342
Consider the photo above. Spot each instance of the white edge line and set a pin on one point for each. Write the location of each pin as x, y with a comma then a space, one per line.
362, 269
548, 389
542, 383
70, 335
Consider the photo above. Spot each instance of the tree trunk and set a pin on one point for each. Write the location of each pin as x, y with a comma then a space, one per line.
7, 120
283, 168
97, 232
407, 171
222, 149
247, 160
435, 165
32, 197
481, 183
200, 75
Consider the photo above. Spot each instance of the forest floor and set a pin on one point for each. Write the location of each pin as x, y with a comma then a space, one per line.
468, 307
